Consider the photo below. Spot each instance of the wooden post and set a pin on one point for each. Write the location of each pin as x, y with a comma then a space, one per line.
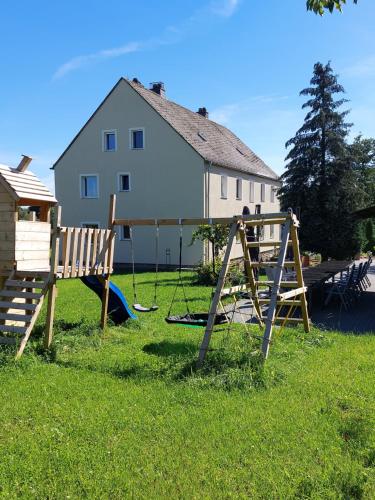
109, 263
52, 289
299, 275
216, 299
275, 289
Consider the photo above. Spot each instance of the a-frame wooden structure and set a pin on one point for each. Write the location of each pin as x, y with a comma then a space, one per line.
283, 291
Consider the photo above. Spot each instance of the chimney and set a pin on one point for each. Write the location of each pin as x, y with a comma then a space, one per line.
24, 163
203, 112
158, 88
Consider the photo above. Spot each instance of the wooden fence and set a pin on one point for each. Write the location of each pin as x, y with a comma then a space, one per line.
85, 251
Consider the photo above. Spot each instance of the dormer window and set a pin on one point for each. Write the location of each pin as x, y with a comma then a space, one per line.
109, 140
137, 139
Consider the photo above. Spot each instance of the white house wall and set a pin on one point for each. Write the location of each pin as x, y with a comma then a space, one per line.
219, 207
166, 177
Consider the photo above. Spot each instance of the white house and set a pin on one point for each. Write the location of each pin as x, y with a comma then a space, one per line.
162, 160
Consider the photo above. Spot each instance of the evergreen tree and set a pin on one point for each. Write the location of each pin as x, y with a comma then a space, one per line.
362, 153
319, 181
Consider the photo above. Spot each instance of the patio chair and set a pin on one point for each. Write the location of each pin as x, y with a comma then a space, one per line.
341, 288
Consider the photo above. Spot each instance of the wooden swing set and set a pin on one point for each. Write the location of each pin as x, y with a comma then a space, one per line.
285, 292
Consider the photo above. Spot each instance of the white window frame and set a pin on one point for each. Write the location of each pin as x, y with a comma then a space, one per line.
262, 192
225, 179
104, 142
80, 187
90, 222
119, 188
136, 129
251, 191
122, 233
272, 231
239, 183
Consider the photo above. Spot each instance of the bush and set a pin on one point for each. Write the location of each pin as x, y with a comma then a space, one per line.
206, 274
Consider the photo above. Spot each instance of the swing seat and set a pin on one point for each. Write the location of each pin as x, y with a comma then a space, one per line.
196, 319
140, 308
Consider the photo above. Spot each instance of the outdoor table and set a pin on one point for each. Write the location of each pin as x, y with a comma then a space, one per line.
315, 277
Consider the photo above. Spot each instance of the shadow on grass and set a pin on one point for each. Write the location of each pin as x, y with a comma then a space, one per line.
166, 348
60, 325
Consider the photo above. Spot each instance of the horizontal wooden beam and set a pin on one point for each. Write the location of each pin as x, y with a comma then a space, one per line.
270, 243
235, 289
273, 264
283, 284
292, 293
256, 219
287, 320
281, 302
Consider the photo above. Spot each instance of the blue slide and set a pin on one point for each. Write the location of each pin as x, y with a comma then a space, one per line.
118, 309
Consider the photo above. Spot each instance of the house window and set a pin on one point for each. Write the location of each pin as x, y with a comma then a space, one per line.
251, 192
90, 225
224, 187
262, 192
258, 209
137, 140
125, 233
273, 189
89, 185
109, 140
272, 231
238, 189
124, 182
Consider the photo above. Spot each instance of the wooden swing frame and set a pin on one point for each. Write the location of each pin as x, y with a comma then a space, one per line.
296, 288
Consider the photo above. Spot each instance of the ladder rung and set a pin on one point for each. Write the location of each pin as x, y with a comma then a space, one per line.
292, 293
8, 340
235, 289
280, 319
17, 305
288, 263
270, 243
283, 284
20, 295
265, 222
282, 302
17, 330
16, 317
25, 284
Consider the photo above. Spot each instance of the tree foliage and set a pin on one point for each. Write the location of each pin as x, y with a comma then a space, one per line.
319, 181
216, 234
320, 6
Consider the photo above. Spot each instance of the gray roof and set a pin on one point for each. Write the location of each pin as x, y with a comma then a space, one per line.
214, 142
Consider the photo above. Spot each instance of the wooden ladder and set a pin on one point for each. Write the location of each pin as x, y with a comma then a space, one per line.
294, 297
21, 300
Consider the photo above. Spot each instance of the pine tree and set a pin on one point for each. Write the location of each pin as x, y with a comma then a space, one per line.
319, 180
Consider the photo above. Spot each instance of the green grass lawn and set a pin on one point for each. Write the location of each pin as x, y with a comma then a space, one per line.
125, 414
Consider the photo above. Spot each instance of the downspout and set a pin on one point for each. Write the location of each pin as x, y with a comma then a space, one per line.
207, 202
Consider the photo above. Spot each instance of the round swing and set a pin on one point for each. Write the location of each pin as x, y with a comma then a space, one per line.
136, 305
189, 319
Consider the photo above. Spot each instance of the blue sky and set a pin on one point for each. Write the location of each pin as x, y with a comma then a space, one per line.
245, 60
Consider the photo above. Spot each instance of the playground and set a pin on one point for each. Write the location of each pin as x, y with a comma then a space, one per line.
110, 400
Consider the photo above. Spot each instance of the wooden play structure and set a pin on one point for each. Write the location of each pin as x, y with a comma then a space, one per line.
285, 292
35, 252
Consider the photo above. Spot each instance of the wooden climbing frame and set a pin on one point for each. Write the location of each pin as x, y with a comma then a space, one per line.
278, 297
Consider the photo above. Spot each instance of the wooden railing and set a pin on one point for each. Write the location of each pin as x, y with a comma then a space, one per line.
85, 251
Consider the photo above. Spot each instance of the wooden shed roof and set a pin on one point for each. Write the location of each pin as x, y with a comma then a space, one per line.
25, 186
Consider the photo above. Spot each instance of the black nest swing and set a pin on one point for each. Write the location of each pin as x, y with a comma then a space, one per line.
189, 319
196, 319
